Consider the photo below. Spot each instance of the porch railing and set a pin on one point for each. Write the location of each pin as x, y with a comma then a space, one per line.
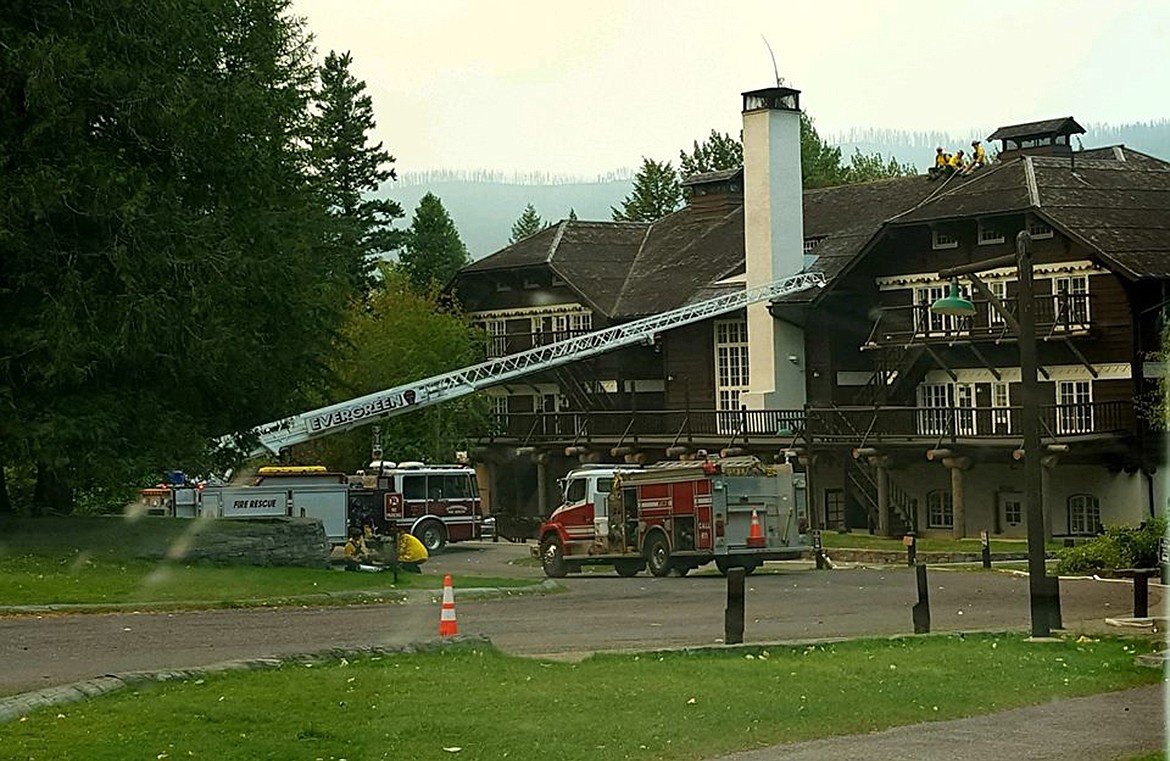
843, 424
1059, 314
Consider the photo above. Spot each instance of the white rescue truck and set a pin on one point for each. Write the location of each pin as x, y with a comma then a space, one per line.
676, 516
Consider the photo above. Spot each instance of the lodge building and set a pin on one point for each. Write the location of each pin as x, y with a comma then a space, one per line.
902, 418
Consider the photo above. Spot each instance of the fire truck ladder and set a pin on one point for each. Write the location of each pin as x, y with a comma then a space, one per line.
340, 417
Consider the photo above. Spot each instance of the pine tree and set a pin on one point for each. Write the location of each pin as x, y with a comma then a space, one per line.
529, 223
433, 252
656, 193
351, 170
719, 151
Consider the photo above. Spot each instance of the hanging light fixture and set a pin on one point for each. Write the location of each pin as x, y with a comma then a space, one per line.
953, 304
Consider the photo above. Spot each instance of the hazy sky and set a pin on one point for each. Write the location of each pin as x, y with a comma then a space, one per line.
584, 88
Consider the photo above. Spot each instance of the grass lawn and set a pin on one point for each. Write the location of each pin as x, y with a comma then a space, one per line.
96, 561
475, 703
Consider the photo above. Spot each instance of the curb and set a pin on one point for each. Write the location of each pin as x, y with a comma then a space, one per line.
15, 706
391, 597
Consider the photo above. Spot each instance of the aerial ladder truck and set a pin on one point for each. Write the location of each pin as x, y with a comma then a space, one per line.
275, 436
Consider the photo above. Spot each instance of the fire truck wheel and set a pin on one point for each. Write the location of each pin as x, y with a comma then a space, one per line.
658, 555
725, 565
432, 535
628, 567
552, 559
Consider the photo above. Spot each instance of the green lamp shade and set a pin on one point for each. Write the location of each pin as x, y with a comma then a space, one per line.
953, 304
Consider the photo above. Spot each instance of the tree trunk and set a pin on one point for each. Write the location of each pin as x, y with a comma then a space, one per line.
52, 493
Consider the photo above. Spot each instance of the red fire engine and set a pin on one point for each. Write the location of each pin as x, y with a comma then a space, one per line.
676, 516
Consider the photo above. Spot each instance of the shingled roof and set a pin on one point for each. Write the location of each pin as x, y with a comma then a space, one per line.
1063, 126
1116, 201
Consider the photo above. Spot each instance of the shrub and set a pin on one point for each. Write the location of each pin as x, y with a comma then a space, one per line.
1118, 547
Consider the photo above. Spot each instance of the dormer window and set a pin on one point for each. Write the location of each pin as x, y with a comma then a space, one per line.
1039, 229
502, 286
989, 233
941, 240
810, 244
531, 283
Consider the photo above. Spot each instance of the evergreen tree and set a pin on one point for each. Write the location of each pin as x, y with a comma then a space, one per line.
572, 214
719, 151
395, 336
351, 170
166, 262
433, 252
529, 223
820, 163
867, 168
656, 193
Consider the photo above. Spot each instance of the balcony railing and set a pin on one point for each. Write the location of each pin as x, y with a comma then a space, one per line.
1060, 314
835, 424
503, 344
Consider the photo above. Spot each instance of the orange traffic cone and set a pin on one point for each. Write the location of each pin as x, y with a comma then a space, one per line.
447, 625
755, 535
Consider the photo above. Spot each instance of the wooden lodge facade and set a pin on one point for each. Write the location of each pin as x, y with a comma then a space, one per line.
910, 419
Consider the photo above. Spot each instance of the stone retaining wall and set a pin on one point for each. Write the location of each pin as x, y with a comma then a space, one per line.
258, 541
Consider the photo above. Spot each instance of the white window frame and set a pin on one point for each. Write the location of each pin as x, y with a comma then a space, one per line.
927, 322
498, 331
940, 241
1078, 316
937, 401
989, 234
1074, 406
1001, 402
940, 509
999, 289
732, 377
1084, 514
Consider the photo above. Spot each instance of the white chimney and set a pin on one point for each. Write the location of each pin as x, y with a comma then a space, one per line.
773, 242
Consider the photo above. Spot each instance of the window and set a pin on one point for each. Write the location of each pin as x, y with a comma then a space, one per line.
457, 486
414, 487
998, 289
1013, 511
1039, 229
573, 324
1071, 297
498, 330
834, 508
575, 491
731, 368
942, 240
1001, 414
989, 234
810, 244
946, 407
931, 324
1084, 514
939, 511
934, 402
1074, 406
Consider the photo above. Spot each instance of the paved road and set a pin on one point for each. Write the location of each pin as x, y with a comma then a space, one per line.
598, 612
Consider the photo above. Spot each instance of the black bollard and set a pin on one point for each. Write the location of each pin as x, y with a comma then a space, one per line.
1141, 594
922, 607
911, 543
733, 615
818, 549
986, 542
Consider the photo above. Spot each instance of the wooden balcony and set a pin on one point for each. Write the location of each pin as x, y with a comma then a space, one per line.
1063, 314
501, 345
854, 426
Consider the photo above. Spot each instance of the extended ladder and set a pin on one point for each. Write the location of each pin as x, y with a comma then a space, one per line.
441, 388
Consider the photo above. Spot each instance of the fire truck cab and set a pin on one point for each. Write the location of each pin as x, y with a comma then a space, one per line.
676, 516
435, 503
